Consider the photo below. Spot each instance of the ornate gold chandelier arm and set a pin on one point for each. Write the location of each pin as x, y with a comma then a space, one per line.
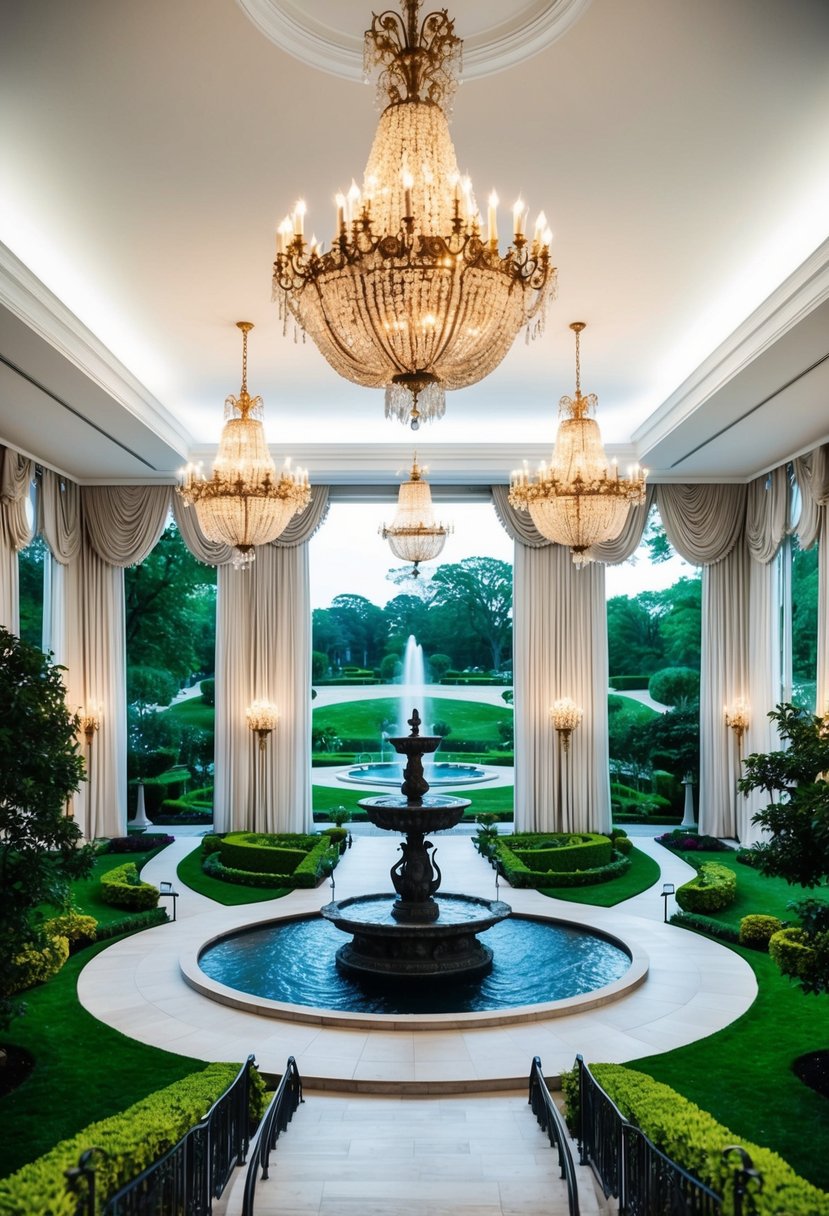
415, 64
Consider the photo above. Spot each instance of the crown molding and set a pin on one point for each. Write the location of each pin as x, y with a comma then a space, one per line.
24, 295
788, 304
340, 53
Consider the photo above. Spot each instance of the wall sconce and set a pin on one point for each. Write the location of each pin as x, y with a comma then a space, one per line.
667, 890
736, 717
565, 716
262, 719
90, 722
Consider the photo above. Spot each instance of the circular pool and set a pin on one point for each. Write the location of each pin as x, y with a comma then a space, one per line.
441, 773
536, 962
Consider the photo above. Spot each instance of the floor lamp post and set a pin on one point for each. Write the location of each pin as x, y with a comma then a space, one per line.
736, 719
566, 717
262, 718
90, 721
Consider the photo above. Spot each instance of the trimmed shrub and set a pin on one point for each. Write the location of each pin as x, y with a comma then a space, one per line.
538, 860
131, 1141
757, 930
207, 688
694, 1140
132, 924
122, 888
711, 890
314, 860
265, 853
629, 683
706, 924
138, 842
791, 953
686, 841
674, 684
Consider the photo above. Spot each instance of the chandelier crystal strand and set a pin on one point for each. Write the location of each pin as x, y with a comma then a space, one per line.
578, 500
414, 535
411, 296
244, 503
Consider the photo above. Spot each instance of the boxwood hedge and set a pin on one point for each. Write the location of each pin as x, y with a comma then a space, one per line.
563, 859
695, 1140
122, 888
711, 890
260, 859
129, 1142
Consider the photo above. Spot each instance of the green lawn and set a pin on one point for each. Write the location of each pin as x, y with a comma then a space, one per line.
755, 892
643, 873
364, 719
85, 1070
743, 1074
193, 712
86, 892
230, 894
484, 801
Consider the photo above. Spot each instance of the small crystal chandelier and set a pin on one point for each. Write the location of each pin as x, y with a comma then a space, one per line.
243, 503
413, 534
577, 501
411, 296
566, 717
262, 718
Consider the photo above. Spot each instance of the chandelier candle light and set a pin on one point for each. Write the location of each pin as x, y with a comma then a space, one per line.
413, 534
244, 503
578, 500
412, 295
736, 717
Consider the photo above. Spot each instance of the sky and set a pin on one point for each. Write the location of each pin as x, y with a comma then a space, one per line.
348, 556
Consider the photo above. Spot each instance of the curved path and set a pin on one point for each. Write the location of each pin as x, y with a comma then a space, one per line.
693, 988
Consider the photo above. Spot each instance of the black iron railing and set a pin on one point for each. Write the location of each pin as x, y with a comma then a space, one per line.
551, 1122
191, 1174
280, 1111
631, 1168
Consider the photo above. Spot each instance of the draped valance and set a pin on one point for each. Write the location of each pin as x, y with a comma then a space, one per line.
123, 523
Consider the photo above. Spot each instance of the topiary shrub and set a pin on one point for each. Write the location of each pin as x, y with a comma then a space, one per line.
79, 930
790, 952
757, 930
207, 688
122, 888
314, 859
711, 890
674, 684
694, 1140
563, 852
265, 852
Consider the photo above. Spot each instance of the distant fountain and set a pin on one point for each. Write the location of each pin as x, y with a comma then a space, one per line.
413, 684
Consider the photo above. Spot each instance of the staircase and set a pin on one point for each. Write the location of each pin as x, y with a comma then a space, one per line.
459, 1155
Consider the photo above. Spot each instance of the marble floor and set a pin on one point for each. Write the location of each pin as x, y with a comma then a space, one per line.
693, 987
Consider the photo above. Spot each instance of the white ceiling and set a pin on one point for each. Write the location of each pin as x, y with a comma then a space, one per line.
680, 150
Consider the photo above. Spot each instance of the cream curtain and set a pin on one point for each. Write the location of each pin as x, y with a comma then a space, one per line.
812, 474
263, 651
16, 474
560, 650
120, 526
59, 522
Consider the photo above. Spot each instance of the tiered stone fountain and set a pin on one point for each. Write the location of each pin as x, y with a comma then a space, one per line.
415, 934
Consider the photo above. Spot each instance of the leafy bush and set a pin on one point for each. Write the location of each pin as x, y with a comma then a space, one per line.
711, 890
207, 688
695, 1140
132, 924
138, 842
645, 802
131, 1141
439, 664
674, 684
803, 956
629, 683
688, 842
122, 888
757, 929
79, 930
36, 964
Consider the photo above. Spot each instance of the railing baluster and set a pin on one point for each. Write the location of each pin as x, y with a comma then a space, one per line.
550, 1121
281, 1108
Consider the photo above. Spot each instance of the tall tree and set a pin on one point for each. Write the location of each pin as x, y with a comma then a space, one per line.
40, 766
479, 590
363, 627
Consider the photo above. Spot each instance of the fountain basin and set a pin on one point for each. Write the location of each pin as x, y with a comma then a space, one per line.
442, 949
436, 813
441, 773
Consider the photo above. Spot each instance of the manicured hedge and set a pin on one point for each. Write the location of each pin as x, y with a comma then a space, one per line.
706, 924
791, 954
629, 683
577, 862
130, 1142
137, 842
561, 851
36, 964
695, 1140
265, 853
132, 924
122, 888
711, 890
317, 856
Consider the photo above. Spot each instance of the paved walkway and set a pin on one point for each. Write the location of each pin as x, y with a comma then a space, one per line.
693, 988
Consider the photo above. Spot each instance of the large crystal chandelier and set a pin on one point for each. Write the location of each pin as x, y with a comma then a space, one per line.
243, 503
411, 295
414, 535
578, 501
